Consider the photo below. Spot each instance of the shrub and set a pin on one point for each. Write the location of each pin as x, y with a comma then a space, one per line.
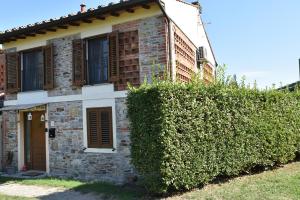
185, 135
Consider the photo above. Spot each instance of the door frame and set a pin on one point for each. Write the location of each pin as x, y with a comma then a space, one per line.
21, 138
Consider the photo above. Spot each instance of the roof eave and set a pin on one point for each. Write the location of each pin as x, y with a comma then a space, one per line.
4, 37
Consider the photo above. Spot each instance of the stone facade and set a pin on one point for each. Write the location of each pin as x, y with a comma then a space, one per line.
67, 156
10, 136
63, 67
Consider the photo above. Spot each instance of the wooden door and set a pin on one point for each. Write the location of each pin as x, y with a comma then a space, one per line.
37, 142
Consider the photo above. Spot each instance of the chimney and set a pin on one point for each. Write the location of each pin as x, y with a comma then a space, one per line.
82, 8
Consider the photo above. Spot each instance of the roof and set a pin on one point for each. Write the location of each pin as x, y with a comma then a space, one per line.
291, 87
72, 20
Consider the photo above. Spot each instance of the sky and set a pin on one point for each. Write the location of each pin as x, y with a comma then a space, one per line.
259, 39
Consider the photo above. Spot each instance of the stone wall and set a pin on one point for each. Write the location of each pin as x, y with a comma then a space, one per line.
10, 136
67, 156
63, 68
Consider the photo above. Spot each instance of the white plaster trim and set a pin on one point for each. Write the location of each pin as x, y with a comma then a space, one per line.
98, 104
91, 150
102, 91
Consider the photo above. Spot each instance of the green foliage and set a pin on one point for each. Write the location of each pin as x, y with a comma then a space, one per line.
185, 135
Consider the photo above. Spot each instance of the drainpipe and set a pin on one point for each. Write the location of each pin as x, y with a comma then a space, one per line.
169, 37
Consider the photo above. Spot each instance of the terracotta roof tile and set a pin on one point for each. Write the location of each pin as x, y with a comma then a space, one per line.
72, 17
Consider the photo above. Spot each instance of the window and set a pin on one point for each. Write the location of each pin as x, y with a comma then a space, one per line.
97, 60
99, 127
32, 70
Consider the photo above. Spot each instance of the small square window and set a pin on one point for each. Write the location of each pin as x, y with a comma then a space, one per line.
99, 127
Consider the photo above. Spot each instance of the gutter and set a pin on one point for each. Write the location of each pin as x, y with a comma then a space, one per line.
169, 36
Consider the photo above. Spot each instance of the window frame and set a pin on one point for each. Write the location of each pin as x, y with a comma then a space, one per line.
22, 67
98, 111
106, 36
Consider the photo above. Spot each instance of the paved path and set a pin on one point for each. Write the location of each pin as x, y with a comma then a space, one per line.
45, 193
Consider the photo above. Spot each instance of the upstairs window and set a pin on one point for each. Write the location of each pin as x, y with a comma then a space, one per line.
97, 60
112, 58
32, 70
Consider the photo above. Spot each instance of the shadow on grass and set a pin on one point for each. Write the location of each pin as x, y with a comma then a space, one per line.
120, 192
223, 179
89, 190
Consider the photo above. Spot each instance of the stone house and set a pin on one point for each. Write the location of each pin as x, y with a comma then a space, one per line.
65, 106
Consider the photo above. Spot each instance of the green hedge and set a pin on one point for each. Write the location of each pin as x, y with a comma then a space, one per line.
186, 135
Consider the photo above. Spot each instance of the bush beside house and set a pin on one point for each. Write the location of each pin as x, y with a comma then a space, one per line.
185, 135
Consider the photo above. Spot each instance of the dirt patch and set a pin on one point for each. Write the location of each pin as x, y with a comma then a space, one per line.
45, 193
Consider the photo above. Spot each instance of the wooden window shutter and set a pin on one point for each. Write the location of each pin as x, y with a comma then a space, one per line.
113, 56
93, 128
12, 72
99, 128
48, 67
106, 128
79, 62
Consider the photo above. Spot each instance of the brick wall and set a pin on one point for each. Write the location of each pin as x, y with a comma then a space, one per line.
185, 56
2, 67
152, 52
208, 73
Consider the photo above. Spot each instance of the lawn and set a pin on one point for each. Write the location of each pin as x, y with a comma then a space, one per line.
279, 184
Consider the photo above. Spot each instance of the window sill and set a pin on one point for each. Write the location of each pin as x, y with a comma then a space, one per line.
98, 84
31, 91
98, 150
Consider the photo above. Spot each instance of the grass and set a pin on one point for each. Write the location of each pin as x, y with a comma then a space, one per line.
279, 184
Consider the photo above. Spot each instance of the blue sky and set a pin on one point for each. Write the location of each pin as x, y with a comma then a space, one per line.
259, 39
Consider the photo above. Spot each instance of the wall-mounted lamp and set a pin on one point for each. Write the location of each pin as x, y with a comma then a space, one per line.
29, 117
42, 118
